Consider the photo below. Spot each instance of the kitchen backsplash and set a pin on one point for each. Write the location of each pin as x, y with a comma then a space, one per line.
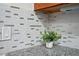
25, 23
67, 24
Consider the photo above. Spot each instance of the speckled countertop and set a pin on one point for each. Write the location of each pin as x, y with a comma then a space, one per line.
43, 51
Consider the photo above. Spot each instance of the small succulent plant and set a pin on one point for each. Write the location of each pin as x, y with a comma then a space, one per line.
49, 36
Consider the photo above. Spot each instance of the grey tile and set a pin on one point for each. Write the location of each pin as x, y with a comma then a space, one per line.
21, 42
28, 33
5, 40
15, 40
40, 18
29, 37
32, 28
69, 41
8, 16
8, 25
16, 14
29, 44
35, 25
14, 46
1, 47
70, 33
7, 11
21, 17
30, 18
59, 26
37, 20
0, 32
32, 40
32, 14
64, 37
62, 31
70, 37
21, 23
58, 29
1, 21
37, 29
53, 27
37, 37
16, 33
64, 41
16, 30
38, 41
15, 7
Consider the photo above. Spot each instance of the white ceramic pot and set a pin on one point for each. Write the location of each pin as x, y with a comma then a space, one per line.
49, 44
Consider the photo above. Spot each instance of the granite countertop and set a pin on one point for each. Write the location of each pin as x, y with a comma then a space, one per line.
41, 50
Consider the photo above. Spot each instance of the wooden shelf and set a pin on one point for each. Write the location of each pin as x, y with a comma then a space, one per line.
48, 7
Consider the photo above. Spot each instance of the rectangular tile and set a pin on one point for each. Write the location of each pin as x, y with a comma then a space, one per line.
15, 7
8, 16
1, 21
7, 11
35, 25
30, 18
1, 47
15, 14
14, 46
8, 25
21, 17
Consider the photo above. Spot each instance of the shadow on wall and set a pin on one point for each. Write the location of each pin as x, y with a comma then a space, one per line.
43, 18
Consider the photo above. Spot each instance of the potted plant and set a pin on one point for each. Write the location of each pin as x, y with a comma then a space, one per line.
49, 37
